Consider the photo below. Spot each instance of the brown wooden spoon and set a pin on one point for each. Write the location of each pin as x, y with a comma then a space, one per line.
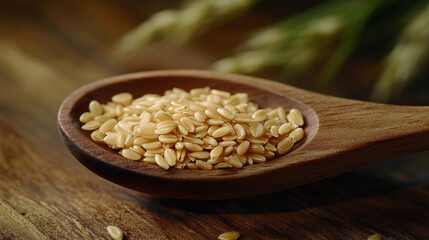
341, 135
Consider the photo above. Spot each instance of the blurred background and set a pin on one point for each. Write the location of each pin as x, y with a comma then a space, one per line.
368, 49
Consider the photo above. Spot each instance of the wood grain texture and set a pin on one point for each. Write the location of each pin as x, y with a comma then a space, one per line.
341, 135
49, 50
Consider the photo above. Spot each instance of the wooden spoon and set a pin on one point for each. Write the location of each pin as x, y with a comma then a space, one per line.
341, 135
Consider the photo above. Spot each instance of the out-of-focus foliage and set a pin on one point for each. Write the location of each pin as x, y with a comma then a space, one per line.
180, 25
322, 37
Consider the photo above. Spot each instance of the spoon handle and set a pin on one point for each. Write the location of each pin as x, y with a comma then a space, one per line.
371, 131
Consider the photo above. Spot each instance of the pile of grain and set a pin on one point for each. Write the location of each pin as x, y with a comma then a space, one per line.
200, 129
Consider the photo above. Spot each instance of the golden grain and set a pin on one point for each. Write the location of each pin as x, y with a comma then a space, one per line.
256, 148
227, 143
203, 165
193, 147
160, 160
130, 154
91, 125
242, 148
234, 162
122, 98
228, 150
86, 117
115, 232
108, 125
284, 145
285, 128
216, 152
296, 134
257, 158
221, 132
225, 113
97, 136
95, 107
295, 117
170, 156
151, 145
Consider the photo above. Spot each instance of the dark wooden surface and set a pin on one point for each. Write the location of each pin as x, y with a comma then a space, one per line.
48, 49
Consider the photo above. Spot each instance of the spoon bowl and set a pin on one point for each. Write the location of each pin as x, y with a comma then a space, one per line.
340, 135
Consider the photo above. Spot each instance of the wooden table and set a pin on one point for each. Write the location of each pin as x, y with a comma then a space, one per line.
48, 50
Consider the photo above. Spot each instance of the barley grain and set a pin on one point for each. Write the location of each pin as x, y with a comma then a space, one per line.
141, 140
115, 232
170, 156
108, 125
182, 130
102, 118
296, 135
239, 130
222, 165
284, 145
216, 152
270, 147
203, 165
221, 132
225, 113
260, 115
97, 136
234, 162
139, 150
150, 160
122, 98
199, 116
200, 155
227, 143
164, 127
95, 107
130, 154
256, 129
215, 121
162, 116
256, 148
110, 138
91, 125
86, 117
160, 160
193, 147
282, 114
228, 150
193, 139
231, 109
145, 117
229, 138
191, 166
179, 145
151, 145
187, 123
129, 140
258, 158
295, 117
242, 148
169, 138
285, 128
